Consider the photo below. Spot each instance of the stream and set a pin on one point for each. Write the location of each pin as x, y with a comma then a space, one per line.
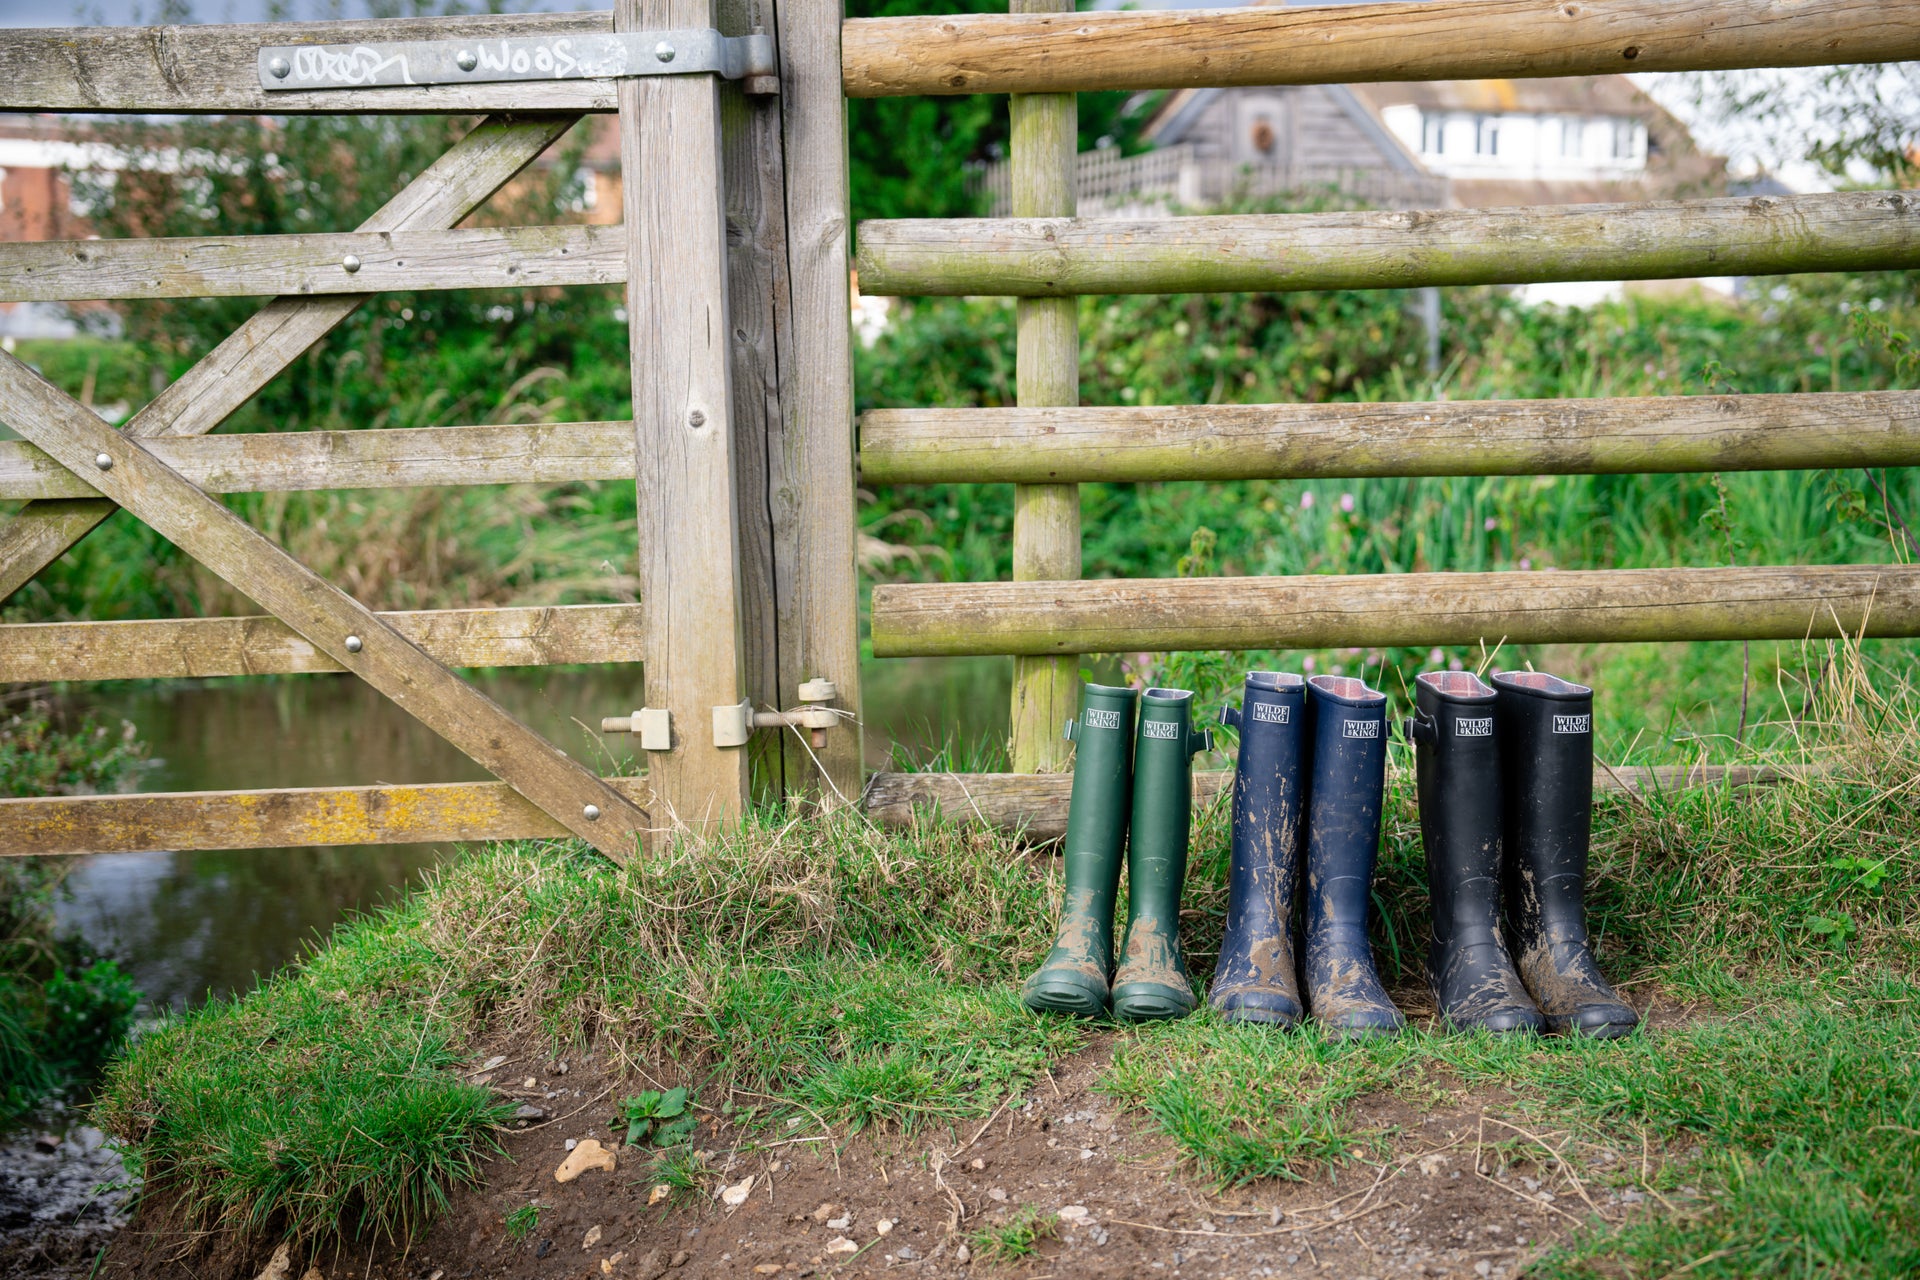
190, 926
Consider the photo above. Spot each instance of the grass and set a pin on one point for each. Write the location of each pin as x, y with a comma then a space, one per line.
1016, 1238
521, 1222
858, 976
863, 977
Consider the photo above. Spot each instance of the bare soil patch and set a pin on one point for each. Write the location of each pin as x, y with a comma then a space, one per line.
1461, 1193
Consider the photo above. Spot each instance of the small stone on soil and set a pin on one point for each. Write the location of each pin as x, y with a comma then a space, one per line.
840, 1244
585, 1155
825, 1211
593, 1238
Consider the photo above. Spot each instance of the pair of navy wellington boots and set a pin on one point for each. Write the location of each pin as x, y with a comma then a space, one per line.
1307, 789
1132, 790
1505, 776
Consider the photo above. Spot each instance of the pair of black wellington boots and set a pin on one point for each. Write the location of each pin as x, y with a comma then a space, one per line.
1132, 791
1505, 775
1310, 781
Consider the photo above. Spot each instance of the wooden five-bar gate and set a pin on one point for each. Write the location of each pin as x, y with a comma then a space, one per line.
734, 252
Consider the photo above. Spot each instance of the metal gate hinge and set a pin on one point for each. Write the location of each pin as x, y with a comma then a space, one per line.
609, 56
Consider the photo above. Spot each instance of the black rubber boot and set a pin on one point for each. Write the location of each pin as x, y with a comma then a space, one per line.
1078, 973
1546, 765
1255, 980
1348, 729
1457, 765
1152, 981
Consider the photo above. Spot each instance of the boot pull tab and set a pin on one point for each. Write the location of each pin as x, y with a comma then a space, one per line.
1071, 732
1420, 727
1230, 716
1202, 740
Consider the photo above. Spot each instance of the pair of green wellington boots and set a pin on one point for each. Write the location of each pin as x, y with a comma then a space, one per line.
1132, 791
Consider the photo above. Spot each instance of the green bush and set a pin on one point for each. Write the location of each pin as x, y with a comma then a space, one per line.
65, 1010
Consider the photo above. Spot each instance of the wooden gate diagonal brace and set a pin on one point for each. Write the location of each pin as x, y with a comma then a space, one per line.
332, 621
453, 186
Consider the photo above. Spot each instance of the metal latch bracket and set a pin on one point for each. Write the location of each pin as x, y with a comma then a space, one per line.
607, 56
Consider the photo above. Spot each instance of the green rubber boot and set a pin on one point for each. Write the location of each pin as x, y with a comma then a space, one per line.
1078, 972
1152, 981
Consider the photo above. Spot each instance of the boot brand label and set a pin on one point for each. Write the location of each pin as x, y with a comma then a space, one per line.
1573, 724
1272, 712
1159, 729
1477, 727
1360, 729
1098, 719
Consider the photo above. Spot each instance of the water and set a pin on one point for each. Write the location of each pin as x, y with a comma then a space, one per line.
194, 925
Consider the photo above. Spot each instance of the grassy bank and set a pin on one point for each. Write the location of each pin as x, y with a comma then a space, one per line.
847, 976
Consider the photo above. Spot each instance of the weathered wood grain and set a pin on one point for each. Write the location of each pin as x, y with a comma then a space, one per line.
212, 68
753, 181
250, 266
1046, 517
327, 617
1324, 611
518, 453
280, 819
1458, 438
1056, 257
680, 337
812, 484
194, 648
1439, 40
453, 186
1036, 803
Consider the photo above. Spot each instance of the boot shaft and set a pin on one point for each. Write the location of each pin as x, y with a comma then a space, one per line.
1348, 730
1162, 802
1102, 788
1269, 778
1457, 771
1546, 765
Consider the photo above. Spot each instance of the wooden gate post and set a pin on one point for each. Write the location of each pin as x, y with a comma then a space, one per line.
812, 495
1046, 517
680, 339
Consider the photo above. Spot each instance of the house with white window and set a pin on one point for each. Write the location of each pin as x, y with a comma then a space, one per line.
1475, 143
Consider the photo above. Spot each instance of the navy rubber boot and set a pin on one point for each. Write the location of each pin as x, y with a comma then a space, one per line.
1457, 767
1546, 766
1255, 980
1347, 725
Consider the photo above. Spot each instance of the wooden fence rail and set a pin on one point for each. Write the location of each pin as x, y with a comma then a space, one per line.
353, 262
1036, 803
1379, 610
288, 817
1046, 257
194, 648
212, 69
1441, 40
1454, 438
389, 458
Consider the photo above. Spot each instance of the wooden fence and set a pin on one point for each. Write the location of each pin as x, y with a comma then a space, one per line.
1043, 51
741, 445
733, 252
